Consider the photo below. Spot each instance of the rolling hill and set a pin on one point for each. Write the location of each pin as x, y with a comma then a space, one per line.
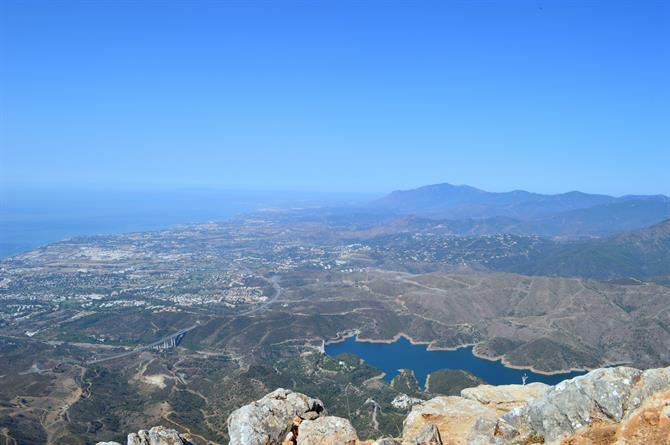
643, 254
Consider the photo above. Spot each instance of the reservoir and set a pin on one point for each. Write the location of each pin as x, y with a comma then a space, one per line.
401, 354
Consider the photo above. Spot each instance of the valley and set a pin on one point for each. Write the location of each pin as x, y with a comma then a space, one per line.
181, 326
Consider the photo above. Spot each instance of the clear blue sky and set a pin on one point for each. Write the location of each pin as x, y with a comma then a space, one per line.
547, 96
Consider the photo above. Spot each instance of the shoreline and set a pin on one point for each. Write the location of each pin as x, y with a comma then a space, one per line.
379, 376
507, 364
429, 344
343, 336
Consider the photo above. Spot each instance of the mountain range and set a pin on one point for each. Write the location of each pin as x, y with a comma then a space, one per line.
571, 214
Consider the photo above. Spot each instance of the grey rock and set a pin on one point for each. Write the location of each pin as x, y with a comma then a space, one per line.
430, 435
157, 435
483, 425
484, 439
328, 430
107, 443
602, 394
504, 430
650, 382
310, 415
481, 432
268, 420
139, 438
386, 441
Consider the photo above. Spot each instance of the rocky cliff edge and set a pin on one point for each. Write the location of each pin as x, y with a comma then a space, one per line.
610, 406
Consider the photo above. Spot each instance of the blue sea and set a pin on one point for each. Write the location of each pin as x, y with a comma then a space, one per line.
401, 354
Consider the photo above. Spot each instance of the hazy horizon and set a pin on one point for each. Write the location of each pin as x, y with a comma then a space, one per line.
33, 217
35, 190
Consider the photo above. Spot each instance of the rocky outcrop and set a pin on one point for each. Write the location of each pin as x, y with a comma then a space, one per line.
463, 419
611, 406
601, 396
649, 424
157, 435
612, 400
270, 419
505, 397
453, 416
429, 435
328, 430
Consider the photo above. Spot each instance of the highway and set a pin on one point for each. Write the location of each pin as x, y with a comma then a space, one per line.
145, 347
277, 292
275, 285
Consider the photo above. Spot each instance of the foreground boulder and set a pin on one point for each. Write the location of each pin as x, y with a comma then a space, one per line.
270, 419
328, 430
619, 405
602, 396
452, 416
505, 397
648, 424
461, 419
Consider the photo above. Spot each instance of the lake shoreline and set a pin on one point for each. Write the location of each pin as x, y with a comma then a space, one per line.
343, 336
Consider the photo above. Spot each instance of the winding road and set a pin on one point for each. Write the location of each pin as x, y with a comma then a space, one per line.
275, 285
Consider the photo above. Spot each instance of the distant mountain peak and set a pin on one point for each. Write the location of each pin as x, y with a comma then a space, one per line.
570, 213
444, 186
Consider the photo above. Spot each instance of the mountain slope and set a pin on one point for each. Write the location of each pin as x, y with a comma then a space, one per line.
605, 219
643, 253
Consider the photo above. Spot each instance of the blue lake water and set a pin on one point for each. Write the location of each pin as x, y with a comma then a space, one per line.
390, 357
